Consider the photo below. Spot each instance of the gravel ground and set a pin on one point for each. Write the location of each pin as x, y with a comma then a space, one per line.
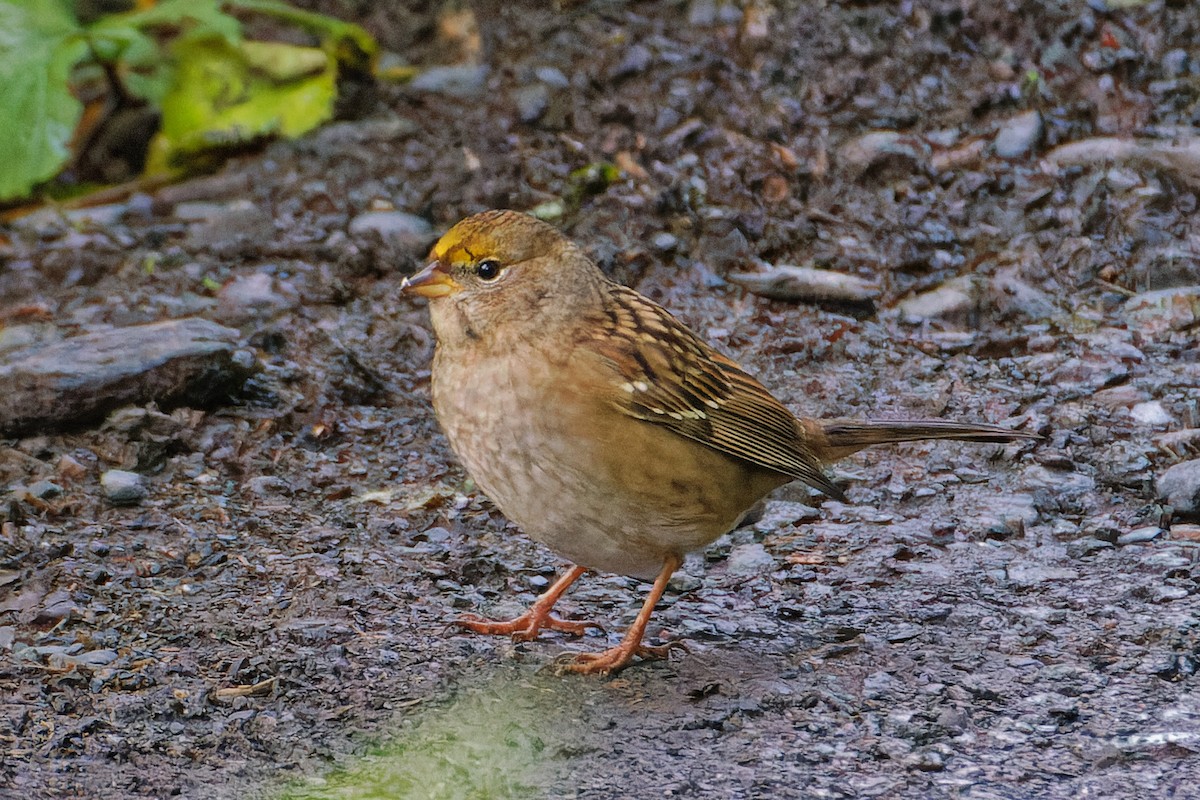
270, 599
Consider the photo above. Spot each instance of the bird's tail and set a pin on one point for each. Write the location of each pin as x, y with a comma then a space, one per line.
839, 438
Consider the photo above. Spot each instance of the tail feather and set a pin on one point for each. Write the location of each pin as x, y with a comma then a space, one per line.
841, 437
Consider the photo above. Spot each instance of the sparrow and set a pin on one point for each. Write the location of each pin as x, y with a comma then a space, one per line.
603, 426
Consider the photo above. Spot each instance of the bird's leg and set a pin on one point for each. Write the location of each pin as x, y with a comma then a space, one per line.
526, 626
631, 646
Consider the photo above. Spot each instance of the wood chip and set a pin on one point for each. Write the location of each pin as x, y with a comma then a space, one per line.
245, 690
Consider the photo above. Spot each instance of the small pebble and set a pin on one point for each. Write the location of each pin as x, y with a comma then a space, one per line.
1180, 487
1158, 311
682, 582
748, 560
1151, 413
455, 81
1012, 296
398, 228
1166, 594
954, 299
1061, 482
532, 102
904, 154
262, 485
1185, 532
123, 488
552, 76
45, 490
249, 296
1019, 135
97, 658
664, 242
1032, 575
1138, 535
70, 468
1175, 62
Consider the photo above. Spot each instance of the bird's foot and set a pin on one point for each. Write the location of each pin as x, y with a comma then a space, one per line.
614, 659
527, 626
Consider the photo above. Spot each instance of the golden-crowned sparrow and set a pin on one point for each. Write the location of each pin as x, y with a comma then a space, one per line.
600, 424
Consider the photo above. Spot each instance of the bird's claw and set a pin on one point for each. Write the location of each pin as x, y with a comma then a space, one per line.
525, 627
614, 659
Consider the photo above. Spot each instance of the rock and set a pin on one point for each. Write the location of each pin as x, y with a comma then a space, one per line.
1164, 310
1082, 548
80, 379
531, 102
198, 210
1019, 135
1180, 487
1139, 535
103, 216
637, 58
1124, 396
222, 225
457, 81
1012, 296
45, 489
123, 488
17, 337
1167, 594
1056, 481
69, 468
1009, 514
340, 136
263, 485
1091, 373
1175, 62
97, 658
722, 245
749, 560
787, 282
1031, 574
954, 299
664, 242
884, 152
1179, 156
1151, 413
552, 76
880, 685
780, 514
1179, 442
1184, 532
398, 228
249, 296
683, 582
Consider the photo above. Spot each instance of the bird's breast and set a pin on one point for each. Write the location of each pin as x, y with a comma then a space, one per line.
602, 489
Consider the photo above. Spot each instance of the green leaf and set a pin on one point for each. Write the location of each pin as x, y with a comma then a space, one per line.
223, 96
40, 42
125, 40
199, 19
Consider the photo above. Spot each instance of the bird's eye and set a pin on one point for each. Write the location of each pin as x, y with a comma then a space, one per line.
488, 270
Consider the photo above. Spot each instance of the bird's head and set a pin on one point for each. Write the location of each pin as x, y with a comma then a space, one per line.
503, 271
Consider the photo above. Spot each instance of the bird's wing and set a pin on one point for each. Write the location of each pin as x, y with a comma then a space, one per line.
669, 376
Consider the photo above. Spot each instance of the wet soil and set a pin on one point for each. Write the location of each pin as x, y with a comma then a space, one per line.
982, 622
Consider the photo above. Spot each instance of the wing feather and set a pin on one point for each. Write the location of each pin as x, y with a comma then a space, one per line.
671, 377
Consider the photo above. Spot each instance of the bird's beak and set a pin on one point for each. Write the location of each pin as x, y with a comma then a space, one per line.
433, 281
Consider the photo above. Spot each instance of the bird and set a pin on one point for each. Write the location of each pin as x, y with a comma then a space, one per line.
604, 427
